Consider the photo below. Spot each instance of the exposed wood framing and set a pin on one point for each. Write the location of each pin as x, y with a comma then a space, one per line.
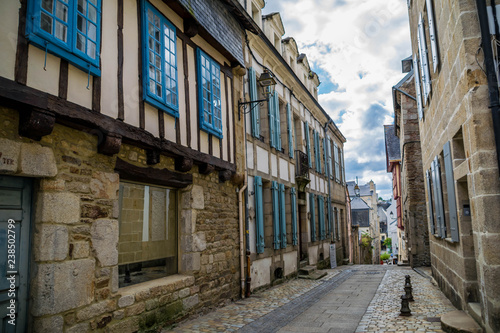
63, 79
34, 123
21, 69
119, 31
162, 177
16, 95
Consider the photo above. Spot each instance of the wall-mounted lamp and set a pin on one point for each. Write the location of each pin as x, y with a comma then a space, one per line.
267, 83
392, 215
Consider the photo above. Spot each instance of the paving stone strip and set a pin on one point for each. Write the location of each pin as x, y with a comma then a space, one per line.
280, 317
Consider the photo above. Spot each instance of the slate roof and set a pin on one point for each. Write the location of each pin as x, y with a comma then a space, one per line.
392, 149
364, 190
358, 204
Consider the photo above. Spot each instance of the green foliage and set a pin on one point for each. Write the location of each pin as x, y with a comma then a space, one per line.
366, 240
385, 256
388, 241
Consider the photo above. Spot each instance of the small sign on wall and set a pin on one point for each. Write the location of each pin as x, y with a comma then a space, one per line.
333, 256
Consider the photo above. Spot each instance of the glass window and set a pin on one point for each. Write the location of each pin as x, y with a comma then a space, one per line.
209, 98
147, 247
70, 29
159, 61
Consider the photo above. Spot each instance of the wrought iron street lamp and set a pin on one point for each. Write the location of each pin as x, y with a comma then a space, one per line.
267, 83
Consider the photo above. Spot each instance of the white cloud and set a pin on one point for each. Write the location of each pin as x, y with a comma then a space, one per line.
359, 45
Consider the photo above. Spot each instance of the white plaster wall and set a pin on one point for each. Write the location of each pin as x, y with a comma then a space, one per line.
216, 146
259, 272
250, 164
262, 160
169, 122
274, 165
290, 260
292, 173
230, 136
224, 121
248, 118
151, 120
312, 184
284, 170
109, 63
9, 20
44, 80
131, 82
204, 141
192, 97
169, 13
77, 87
321, 186
326, 248
313, 254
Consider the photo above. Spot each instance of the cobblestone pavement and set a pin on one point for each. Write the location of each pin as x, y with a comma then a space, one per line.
382, 314
276, 308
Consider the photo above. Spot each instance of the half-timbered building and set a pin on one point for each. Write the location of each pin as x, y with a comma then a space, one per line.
119, 160
294, 157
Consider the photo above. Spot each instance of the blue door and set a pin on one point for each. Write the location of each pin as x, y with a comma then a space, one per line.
15, 218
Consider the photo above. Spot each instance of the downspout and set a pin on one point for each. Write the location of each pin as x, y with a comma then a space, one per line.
490, 74
329, 189
240, 205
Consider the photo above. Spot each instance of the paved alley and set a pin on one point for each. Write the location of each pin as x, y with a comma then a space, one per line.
361, 298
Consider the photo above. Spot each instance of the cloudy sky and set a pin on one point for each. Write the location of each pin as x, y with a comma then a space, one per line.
356, 48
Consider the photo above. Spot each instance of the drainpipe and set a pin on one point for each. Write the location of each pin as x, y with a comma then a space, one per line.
329, 189
244, 190
490, 73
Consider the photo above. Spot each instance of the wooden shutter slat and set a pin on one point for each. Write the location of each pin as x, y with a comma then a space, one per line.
259, 214
312, 211
450, 189
294, 215
282, 215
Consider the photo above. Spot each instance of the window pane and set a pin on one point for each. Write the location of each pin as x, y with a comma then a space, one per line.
62, 12
61, 31
46, 23
92, 32
158, 90
94, 2
82, 24
147, 247
91, 49
47, 5
82, 6
80, 42
92, 14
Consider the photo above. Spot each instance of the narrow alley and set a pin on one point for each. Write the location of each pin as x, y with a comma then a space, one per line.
359, 298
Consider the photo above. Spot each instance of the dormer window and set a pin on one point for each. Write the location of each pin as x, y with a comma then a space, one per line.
256, 14
277, 42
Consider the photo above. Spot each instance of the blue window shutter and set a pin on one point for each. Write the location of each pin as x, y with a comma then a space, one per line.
293, 201
290, 130
308, 144
312, 199
329, 213
422, 45
254, 113
416, 75
272, 124
450, 188
81, 48
329, 152
259, 214
276, 214
438, 197
320, 168
432, 35
277, 119
325, 155
429, 200
282, 215
321, 221
336, 158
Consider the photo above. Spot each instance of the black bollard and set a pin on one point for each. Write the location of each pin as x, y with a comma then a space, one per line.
408, 292
405, 307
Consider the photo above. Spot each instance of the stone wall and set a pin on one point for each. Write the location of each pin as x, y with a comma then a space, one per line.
468, 271
74, 270
412, 182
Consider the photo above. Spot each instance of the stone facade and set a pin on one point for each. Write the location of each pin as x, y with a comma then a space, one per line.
76, 235
456, 114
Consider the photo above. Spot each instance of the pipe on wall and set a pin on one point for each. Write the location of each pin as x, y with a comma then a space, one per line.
490, 74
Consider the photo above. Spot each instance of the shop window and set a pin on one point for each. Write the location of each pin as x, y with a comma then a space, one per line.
147, 247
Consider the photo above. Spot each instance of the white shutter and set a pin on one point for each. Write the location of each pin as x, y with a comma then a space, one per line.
422, 46
432, 35
417, 87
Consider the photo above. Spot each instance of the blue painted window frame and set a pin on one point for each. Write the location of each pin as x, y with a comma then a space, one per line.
276, 215
293, 202
282, 215
255, 111
67, 49
209, 104
312, 211
156, 68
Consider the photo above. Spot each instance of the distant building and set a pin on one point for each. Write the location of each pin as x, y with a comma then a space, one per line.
363, 196
455, 61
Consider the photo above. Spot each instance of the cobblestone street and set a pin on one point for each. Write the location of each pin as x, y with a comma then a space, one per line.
348, 299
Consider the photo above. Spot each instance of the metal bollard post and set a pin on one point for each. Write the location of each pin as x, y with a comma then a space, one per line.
408, 288
405, 307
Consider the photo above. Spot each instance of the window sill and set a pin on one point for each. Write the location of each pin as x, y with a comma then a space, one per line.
178, 281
